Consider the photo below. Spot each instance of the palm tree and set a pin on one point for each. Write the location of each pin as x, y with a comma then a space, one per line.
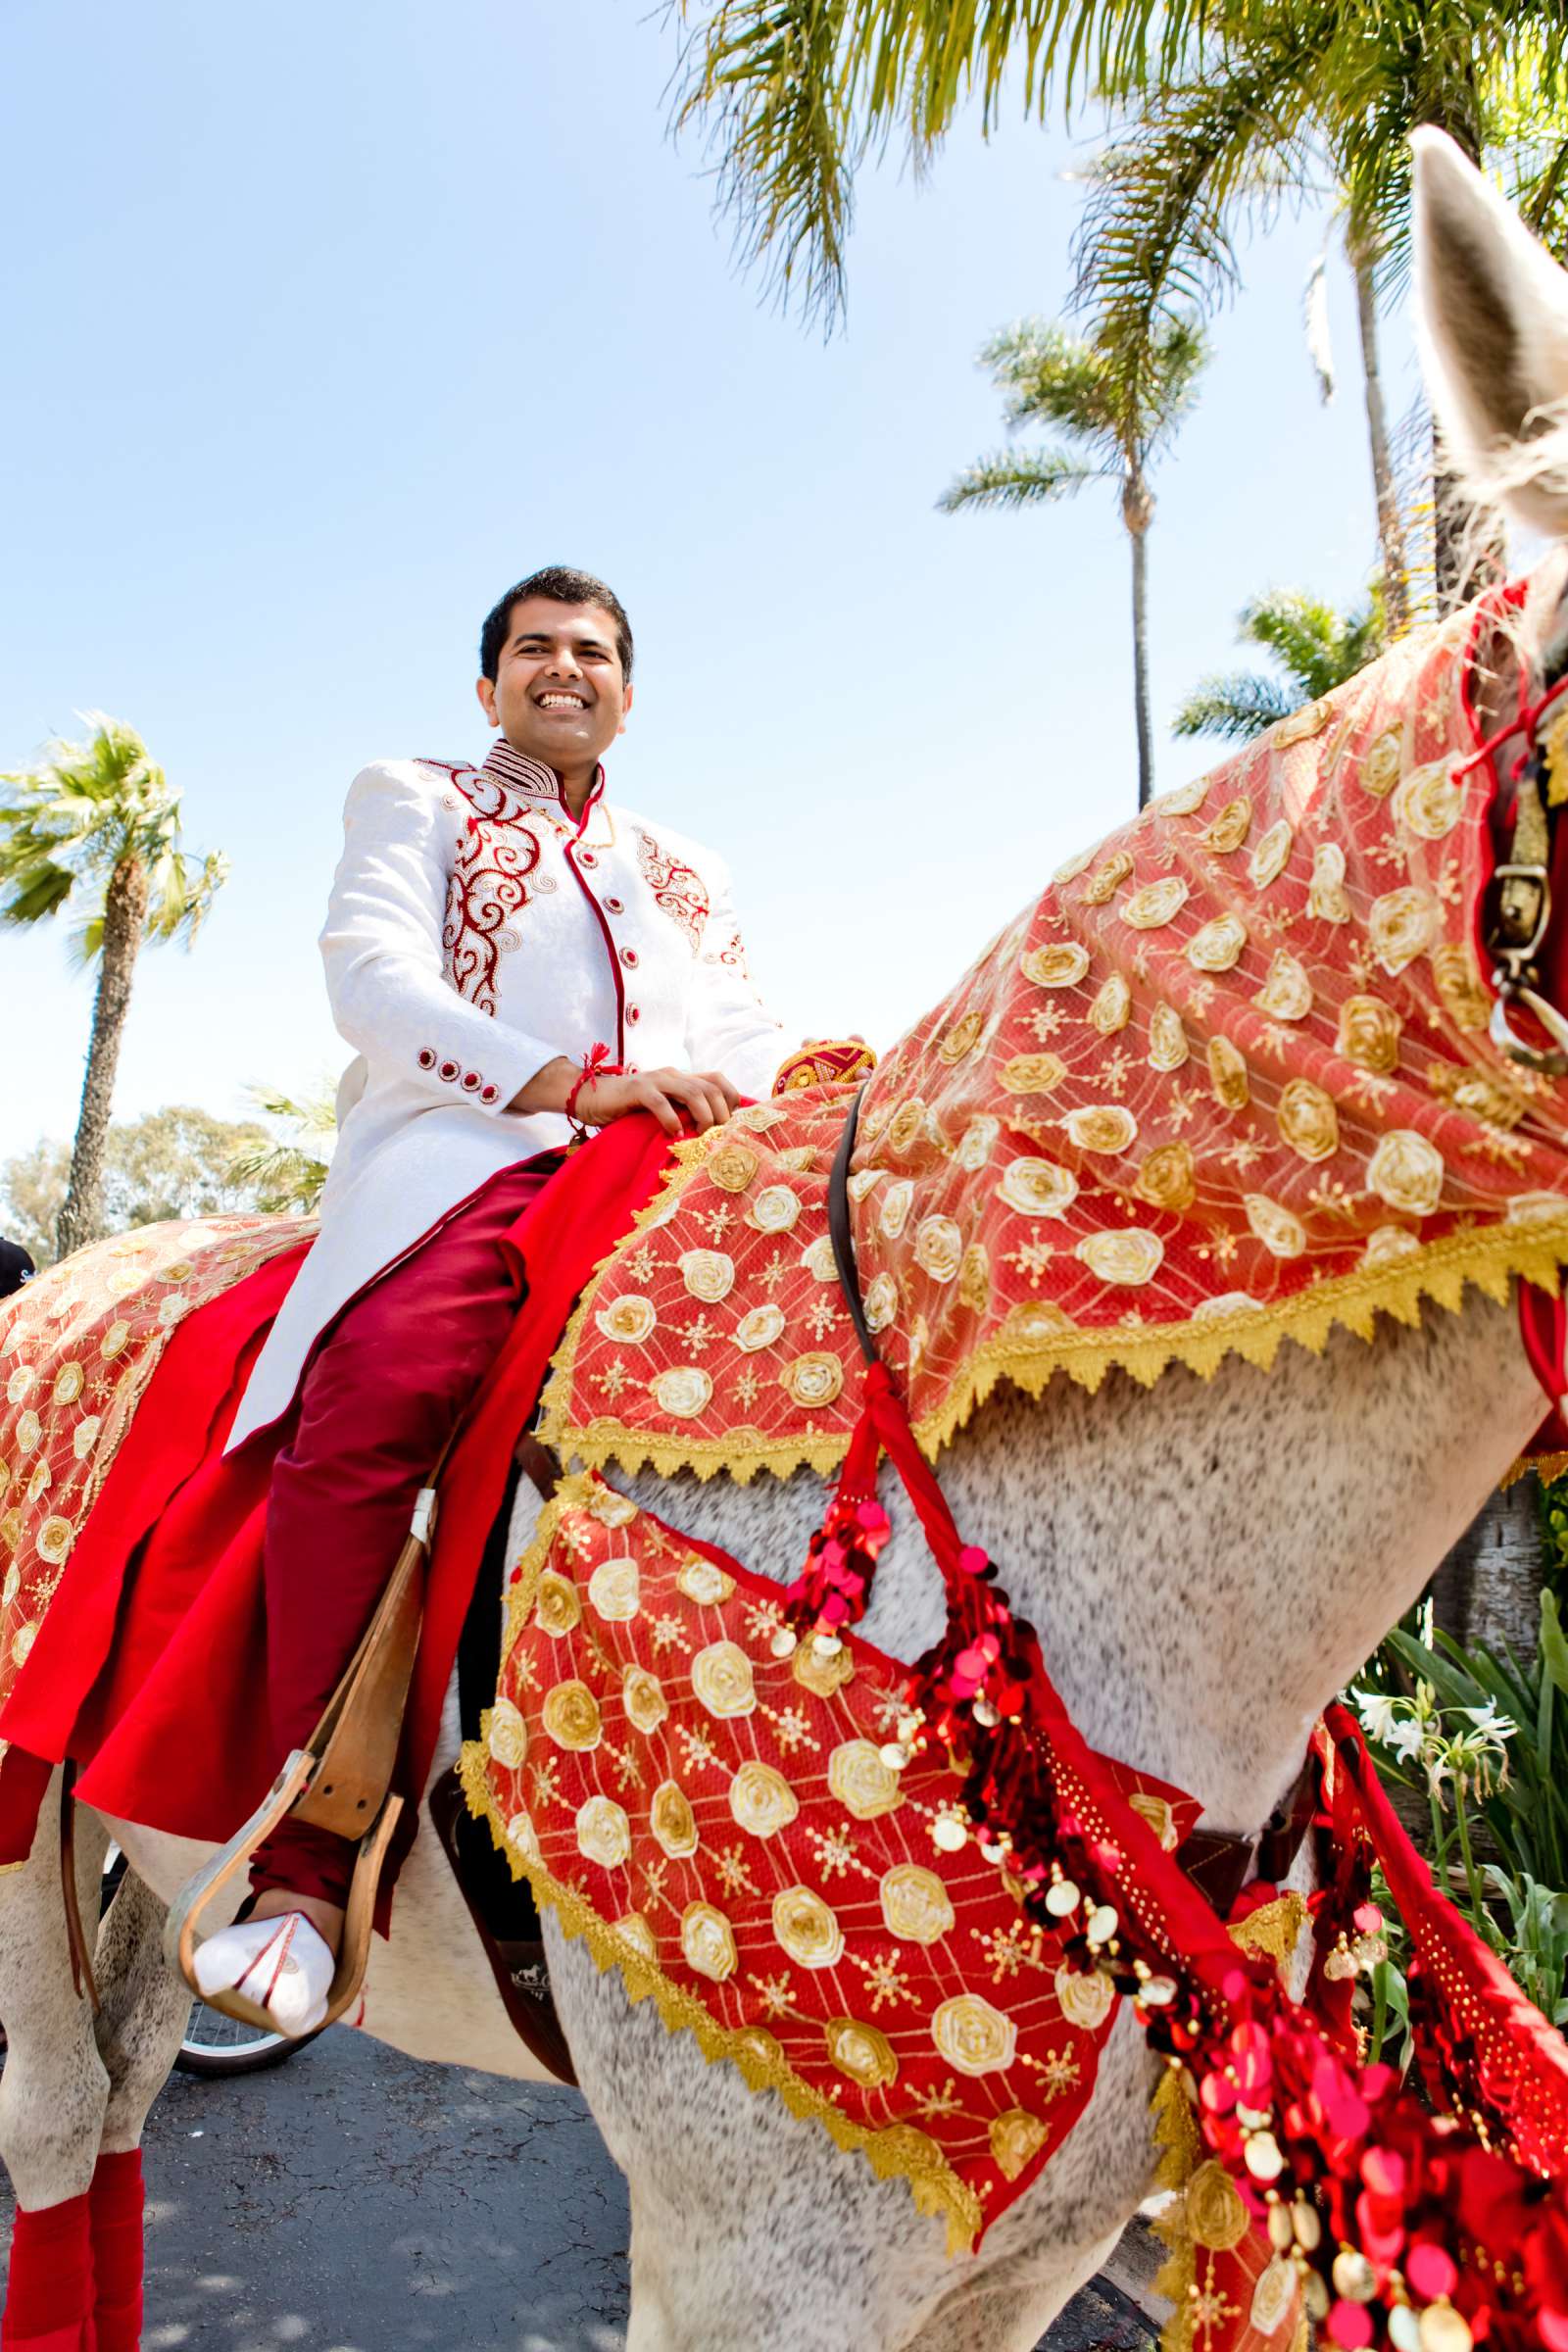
94, 826
287, 1173
1242, 104
1114, 418
1315, 648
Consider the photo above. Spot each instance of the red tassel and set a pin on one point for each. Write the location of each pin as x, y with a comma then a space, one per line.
117, 2200
49, 2297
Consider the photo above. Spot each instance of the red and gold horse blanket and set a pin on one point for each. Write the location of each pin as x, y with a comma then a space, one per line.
718, 1822
1227, 1081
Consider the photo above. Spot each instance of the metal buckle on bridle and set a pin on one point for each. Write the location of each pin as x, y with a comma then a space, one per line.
1520, 921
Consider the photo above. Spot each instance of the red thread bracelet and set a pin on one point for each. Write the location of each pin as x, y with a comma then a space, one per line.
596, 1063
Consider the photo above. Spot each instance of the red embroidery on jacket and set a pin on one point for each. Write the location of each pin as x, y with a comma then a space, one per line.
487, 793
488, 887
678, 889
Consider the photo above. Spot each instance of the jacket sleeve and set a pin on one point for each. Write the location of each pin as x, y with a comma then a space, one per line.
386, 964
727, 1028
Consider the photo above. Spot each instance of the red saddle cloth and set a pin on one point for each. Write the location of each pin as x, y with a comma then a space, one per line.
147, 1663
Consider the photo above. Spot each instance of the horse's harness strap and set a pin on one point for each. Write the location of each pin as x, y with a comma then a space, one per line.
1219, 1864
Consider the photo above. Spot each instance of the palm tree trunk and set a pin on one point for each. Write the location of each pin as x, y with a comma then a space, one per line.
1391, 523
124, 915
1139, 534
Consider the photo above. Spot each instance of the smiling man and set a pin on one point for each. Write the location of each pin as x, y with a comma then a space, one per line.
511, 956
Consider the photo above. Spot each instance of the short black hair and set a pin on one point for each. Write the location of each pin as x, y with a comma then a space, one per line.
563, 586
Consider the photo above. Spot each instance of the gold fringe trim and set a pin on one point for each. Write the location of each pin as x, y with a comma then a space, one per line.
1176, 2136
1487, 1258
896, 2151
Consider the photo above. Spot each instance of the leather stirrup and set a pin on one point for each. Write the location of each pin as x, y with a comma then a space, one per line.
341, 1782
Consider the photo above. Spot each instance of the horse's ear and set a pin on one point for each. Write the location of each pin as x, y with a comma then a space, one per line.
1493, 311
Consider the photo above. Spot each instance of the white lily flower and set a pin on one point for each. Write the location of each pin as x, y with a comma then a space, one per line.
1379, 1714
1489, 1722
1405, 1738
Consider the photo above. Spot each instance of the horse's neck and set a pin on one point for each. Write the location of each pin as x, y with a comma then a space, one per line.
1206, 1562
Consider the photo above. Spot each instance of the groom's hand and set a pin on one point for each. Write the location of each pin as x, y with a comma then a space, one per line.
681, 1100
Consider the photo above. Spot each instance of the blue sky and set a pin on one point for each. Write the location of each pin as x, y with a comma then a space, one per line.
328, 322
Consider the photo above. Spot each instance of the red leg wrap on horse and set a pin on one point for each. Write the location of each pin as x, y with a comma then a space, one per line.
115, 2199
50, 2294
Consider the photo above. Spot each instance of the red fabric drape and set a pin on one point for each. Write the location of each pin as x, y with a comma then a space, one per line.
155, 1680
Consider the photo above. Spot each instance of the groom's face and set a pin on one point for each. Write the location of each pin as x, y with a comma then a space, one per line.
559, 694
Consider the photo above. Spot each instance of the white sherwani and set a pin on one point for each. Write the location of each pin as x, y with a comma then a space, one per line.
476, 931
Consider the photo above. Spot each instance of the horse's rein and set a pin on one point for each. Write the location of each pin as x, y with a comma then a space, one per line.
1518, 911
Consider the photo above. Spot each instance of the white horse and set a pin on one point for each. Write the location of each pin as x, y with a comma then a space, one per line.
1206, 1562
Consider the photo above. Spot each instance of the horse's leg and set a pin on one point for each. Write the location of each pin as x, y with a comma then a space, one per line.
994, 2315
141, 2022
53, 2095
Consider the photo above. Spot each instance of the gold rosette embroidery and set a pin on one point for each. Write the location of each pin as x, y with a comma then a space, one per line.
1227, 831
705, 1583
1130, 1258
896, 1204
642, 1694
1279, 1229
604, 1834
861, 2052
722, 1677
915, 1906
683, 1391
1386, 1245
1016, 2140
613, 1591
1327, 899
1368, 1035
761, 1801
1032, 1073
1106, 1127
1429, 800
863, 1784
709, 1274
1382, 762
819, 1675
507, 1736
1165, 1178
974, 1278
708, 1942
1271, 855
1461, 987
977, 1141
1214, 2213
1038, 1187
630, 1320
961, 1039
973, 2036
938, 1247
1287, 993
1168, 1048
1228, 1075
881, 1301
672, 1821
1183, 800
759, 1327
1309, 1121
1400, 926
1112, 1006
774, 1209
732, 1166
1085, 2000
1107, 878
807, 1927
813, 1381
570, 1716
1218, 945
1057, 967
1407, 1171
1274, 2295
1155, 904
635, 1930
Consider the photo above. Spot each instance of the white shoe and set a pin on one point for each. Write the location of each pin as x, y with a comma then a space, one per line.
282, 1965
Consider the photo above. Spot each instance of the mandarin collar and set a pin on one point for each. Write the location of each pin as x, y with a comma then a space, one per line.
533, 778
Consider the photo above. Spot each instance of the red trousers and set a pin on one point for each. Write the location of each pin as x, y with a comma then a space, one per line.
381, 1395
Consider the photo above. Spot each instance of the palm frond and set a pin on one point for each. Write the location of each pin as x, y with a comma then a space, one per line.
1235, 709
1318, 646
1015, 478
792, 96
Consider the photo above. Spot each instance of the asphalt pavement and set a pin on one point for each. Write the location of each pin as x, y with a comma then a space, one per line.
356, 2201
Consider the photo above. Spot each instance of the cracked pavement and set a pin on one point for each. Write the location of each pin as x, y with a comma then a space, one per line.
355, 2200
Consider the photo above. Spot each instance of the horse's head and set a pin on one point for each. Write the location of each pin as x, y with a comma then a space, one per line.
1493, 315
